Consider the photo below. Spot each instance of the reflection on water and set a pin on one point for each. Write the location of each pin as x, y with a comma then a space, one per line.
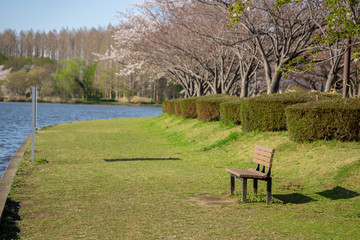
15, 120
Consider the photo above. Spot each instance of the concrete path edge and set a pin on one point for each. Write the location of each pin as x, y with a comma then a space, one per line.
9, 174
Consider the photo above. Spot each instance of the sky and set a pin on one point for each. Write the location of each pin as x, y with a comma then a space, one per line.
47, 15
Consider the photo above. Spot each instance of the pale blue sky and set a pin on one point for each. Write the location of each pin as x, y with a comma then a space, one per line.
54, 14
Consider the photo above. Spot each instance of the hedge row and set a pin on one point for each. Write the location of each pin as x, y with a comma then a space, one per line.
230, 111
307, 116
172, 107
208, 109
188, 108
267, 112
329, 119
205, 108
168, 107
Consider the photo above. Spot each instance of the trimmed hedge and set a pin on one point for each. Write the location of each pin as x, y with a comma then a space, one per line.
329, 119
168, 106
164, 106
230, 111
177, 109
267, 112
188, 107
208, 108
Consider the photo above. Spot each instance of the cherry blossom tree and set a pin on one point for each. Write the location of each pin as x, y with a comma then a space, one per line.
192, 42
281, 34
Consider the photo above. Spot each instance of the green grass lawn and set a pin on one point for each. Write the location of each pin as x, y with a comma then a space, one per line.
164, 178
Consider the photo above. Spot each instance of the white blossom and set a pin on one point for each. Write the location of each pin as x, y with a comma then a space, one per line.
4, 73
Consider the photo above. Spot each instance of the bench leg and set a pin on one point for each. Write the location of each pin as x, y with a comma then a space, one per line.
244, 190
268, 191
232, 184
255, 186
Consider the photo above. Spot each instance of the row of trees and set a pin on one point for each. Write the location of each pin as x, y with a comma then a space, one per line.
74, 78
240, 47
66, 64
65, 44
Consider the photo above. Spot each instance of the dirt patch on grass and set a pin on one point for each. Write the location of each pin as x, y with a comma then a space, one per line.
212, 201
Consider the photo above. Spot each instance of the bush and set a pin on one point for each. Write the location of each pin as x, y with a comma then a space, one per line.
168, 106
329, 119
208, 108
177, 109
230, 111
171, 107
267, 112
165, 105
188, 107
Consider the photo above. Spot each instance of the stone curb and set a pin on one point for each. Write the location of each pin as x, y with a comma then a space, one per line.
9, 174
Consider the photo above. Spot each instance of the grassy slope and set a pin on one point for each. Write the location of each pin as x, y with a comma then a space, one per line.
150, 178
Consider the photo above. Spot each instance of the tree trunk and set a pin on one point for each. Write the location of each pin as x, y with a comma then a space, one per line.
266, 65
245, 87
331, 79
275, 83
347, 59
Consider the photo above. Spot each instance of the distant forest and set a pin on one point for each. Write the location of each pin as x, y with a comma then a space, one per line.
65, 64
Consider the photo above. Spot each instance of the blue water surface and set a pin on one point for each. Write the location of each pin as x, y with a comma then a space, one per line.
15, 120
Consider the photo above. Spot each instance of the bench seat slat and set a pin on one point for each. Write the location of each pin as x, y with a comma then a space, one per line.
250, 173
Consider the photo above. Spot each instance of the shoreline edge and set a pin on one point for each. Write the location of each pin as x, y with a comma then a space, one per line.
9, 174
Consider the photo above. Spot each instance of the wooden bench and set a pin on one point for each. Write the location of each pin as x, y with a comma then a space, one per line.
263, 156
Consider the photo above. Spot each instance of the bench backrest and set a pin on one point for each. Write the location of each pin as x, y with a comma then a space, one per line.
263, 156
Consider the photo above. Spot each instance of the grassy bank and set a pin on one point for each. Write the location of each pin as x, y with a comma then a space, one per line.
164, 178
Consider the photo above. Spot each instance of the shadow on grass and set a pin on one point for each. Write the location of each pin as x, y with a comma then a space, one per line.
338, 193
295, 198
140, 159
8, 227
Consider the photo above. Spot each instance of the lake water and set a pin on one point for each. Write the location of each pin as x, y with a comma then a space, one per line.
15, 120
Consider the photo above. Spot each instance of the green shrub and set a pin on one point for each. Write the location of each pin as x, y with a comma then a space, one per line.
188, 107
168, 106
172, 107
329, 119
208, 108
164, 106
177, 109
230, 111
267, 112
